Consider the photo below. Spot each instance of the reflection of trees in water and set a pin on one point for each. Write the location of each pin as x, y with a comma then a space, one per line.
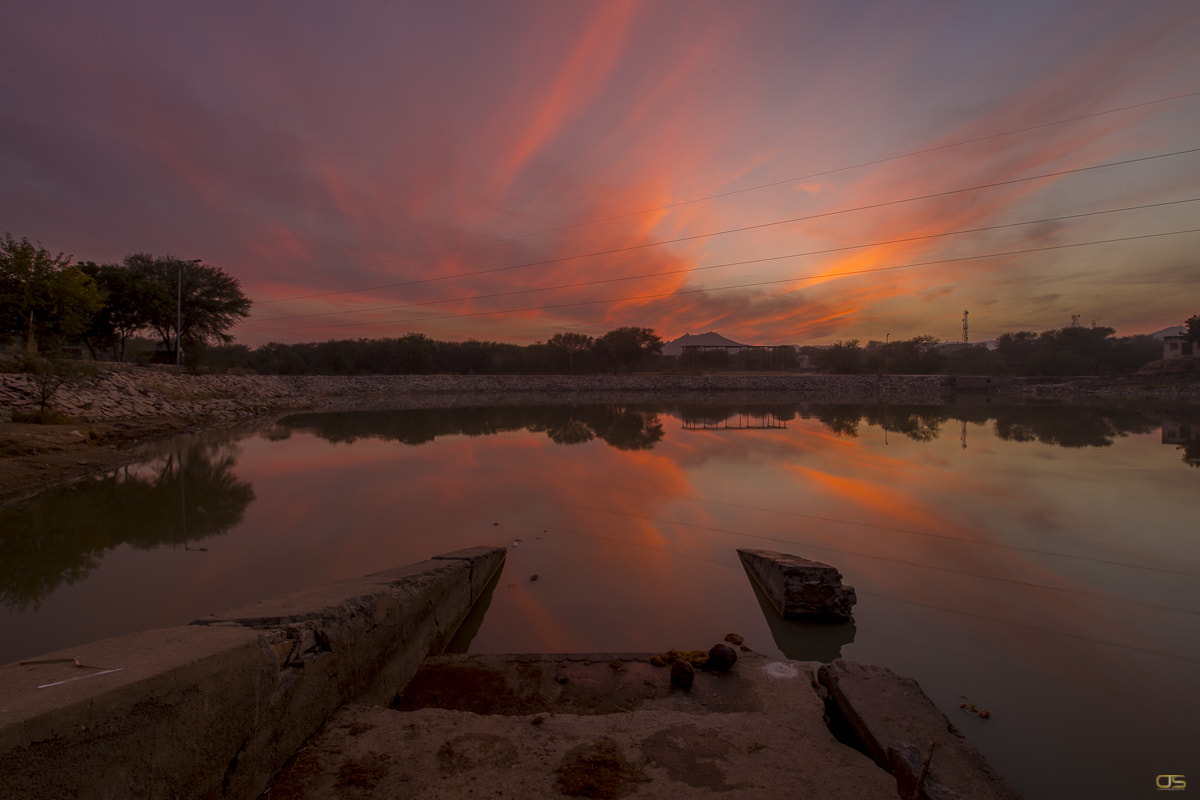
637, 428
627, 428
59, 536
623, 427
920, 423
1058, 425
1070, 427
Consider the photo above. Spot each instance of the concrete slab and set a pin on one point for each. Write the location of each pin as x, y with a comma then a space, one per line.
160, 713
216, 708
896, 722
800, 588
536, 726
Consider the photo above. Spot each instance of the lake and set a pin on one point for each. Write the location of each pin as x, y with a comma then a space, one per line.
1039, 562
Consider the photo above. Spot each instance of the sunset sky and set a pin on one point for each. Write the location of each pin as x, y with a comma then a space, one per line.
781, 172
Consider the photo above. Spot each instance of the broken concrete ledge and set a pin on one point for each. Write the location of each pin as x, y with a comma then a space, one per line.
214, 709
897, 725
800, 588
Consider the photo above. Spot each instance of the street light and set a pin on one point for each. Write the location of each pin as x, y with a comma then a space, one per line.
179, 311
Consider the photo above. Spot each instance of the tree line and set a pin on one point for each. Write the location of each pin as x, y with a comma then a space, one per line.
46, 301
1073, 350
621, 350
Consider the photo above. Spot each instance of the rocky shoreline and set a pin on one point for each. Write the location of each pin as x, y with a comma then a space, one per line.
125, 393
107, 415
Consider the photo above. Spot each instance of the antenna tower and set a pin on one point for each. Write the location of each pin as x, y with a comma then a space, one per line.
965, 340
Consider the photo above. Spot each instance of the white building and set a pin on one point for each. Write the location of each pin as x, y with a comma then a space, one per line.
1177, 347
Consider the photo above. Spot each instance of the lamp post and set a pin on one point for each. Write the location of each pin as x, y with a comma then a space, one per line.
179, 311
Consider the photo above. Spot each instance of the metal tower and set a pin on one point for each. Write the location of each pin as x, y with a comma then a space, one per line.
965, 340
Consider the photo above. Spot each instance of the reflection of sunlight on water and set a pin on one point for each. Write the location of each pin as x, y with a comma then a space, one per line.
1033, 578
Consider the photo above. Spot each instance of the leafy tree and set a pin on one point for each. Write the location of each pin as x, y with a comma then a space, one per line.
128, 297
840, 358
626, 348
1193, 328
209, 303
41, 295
1014, 349
571, 345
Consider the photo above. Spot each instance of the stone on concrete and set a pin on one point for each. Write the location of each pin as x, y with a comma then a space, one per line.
889, 713
799, 588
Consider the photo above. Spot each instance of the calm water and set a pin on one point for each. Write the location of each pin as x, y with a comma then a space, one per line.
1043, 564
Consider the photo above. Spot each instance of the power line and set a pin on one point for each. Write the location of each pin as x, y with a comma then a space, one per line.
755, 284
772, 184
825, 251
741, 229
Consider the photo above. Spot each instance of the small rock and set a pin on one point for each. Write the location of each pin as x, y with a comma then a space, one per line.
722, 657
682, 675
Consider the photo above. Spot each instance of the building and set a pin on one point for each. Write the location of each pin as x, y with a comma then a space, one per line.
1178, 347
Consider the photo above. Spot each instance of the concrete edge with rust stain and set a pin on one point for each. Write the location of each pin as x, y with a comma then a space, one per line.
215, 709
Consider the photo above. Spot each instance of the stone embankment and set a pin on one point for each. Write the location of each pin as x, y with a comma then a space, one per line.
116, 392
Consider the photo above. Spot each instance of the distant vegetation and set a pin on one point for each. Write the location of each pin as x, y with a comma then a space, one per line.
1063, 351
622, 350
1074, 350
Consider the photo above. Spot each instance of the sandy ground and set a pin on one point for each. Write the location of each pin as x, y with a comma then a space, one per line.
34, 457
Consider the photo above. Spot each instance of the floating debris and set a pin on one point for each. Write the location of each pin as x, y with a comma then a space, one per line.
734, 638
971, 708
533, 577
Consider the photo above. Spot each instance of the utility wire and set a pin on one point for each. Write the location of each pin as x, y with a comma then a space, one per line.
755, 284
742, 229
641, 276
772, 184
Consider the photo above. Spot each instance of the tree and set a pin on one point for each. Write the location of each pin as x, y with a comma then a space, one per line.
41, 294
626, 348
1193, 328
571, 345
128, 297
841, 358
209, 304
